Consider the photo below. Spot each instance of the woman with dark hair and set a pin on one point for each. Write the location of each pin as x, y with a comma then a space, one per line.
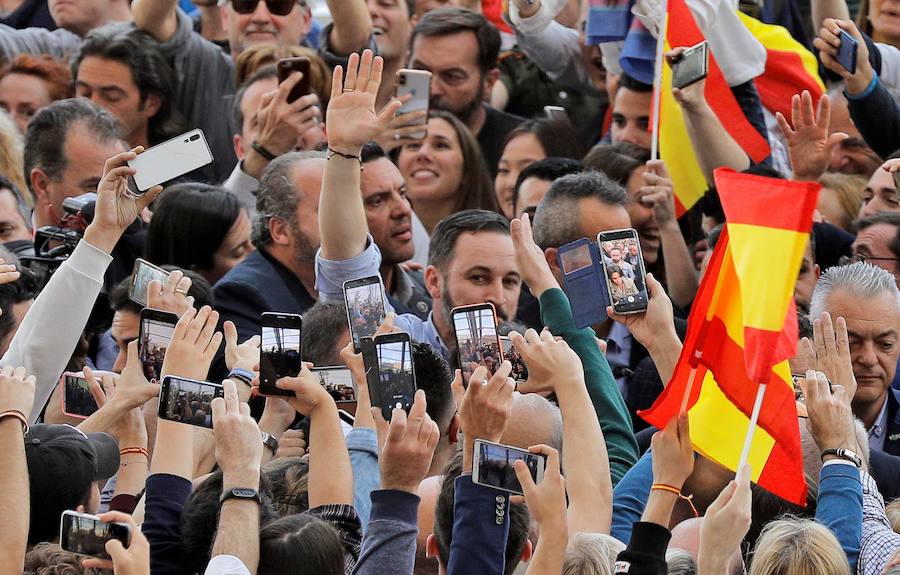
527, 143
445, 173
300, 543
199, 227
652, 213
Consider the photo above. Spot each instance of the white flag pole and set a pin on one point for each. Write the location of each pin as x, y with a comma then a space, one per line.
751, 430
657, 79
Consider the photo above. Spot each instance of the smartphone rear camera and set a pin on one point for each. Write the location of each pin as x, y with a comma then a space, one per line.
402, 80
195, 137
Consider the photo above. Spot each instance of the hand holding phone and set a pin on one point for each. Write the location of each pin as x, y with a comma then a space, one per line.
86, 534
846, 54
493, 466
144, 272
188, 401
623, 265
286, 67
477, 341
691, 67
77, 399
156, 330
417, 85
388, 359
169, 160
279, 351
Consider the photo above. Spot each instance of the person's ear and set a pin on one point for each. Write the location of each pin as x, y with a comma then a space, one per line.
238, 142
550, 257
39, 182
152, 104
279, 231
489, 80
433, 282
527, 551
817, 270
431, 547
453, 430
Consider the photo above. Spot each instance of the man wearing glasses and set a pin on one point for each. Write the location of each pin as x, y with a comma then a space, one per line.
206, 74
878, 242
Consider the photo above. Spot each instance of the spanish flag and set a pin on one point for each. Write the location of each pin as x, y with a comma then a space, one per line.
674, 144
741, 331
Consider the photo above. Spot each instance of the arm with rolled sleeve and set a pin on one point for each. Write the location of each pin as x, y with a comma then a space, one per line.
480, 529
63, 308
839, 506
362, 444
389, 545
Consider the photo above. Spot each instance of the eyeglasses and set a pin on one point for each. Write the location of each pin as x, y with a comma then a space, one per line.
864, 259
276, 7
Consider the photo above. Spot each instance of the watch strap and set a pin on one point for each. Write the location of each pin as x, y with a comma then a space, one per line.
845, 454
269, 441
241, 374
244, 493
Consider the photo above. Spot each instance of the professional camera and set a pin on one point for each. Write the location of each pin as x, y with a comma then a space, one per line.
54, 244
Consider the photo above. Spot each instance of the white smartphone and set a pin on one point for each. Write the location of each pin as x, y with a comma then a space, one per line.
418, 84
169, 160
492, 466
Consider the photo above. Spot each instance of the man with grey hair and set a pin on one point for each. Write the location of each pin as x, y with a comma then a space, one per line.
869, 301
280, 275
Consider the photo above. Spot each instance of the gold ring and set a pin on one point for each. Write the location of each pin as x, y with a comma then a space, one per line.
182, 292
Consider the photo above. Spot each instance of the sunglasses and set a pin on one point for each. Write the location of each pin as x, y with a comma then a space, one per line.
276, 7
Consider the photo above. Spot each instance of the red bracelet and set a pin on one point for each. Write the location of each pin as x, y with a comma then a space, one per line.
18, 415
676, 491
136, 450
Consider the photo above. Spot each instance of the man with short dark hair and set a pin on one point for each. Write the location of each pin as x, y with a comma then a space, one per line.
534, 181
124, 72
631, 112
878, 242
460, 48
66, 147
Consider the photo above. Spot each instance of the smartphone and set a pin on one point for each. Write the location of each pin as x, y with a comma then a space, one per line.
692, 66
144, 272
623, 268
583, 281
157, 327
85, 534
493, 466
389, 368
556, 113
519, 371
418, 84
169, 160
77, 400
477, 340
280, 351
846, 54
365, 307
346, 417
286, 67
338, 382
187, 401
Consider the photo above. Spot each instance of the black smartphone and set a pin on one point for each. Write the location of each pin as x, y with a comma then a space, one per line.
286, 67
144, 272
477, 340
623, 266
583, 281
846, 54
492, 466
157, 327
280, 351
187, 401
85, 534
337, 381
390, 361
364, 299
519, 371
77, 400
692, 66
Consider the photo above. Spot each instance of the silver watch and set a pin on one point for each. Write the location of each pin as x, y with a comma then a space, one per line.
269, 441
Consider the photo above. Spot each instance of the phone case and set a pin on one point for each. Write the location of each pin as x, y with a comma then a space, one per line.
385, 398
366, 325
141, 275
846, 55
286, 67
268, 374
169, 160
692, 67
62, 396
585, 287
417, 83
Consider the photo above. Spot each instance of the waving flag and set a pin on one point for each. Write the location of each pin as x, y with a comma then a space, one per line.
741, 331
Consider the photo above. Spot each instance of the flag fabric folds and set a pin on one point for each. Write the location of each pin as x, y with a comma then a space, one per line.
674, 144
741, 331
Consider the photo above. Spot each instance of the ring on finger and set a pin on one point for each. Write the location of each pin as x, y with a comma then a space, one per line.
181, 291
397, 134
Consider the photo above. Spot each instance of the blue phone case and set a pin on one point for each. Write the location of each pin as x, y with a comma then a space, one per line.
846, 55
585, 287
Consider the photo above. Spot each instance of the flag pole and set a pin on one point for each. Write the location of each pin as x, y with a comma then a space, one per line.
657, 79
751, 430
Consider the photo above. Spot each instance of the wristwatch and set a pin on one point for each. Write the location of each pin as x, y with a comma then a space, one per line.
245, 493
269, 441
846, 454
241, 374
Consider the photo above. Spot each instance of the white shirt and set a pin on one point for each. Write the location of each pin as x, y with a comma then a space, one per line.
226, 565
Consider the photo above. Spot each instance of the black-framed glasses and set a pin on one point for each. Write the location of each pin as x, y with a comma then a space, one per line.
864, 259
276, 7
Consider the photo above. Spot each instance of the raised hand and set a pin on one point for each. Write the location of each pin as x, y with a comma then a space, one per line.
133, 560
647, 327
309, 395
403, 127
238, 445
291, 443
407, 445
551, 363
240, 356
132, 388
173, 295
530, 260
352, 120
809, 146
546, 500
116, 207
485, 407
830, 350
354, 361
658, 194
725, 524
16, 390
828, 407
673, 454
194, 344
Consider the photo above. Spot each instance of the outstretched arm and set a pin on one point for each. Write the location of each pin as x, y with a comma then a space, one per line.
351, 32
159, 18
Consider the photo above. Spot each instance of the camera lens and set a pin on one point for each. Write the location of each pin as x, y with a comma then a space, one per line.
402, 80
195, 137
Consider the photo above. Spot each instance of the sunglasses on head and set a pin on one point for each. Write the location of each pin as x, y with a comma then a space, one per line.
276, 7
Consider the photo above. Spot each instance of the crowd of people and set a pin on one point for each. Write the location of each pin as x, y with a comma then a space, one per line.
540, 131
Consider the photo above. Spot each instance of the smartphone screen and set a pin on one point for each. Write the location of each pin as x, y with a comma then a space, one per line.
86, 535
338, 382
493, 466
144, 272
187, 401
156, 332
365, 307
280, 351
519, 371
691, 67
583, 282
396, 376
476, 339
623, 265
77, 398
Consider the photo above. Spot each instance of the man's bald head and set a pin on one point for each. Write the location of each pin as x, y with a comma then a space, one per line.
533, 421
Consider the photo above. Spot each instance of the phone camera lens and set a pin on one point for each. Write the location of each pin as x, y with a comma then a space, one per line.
195, 137
402, 80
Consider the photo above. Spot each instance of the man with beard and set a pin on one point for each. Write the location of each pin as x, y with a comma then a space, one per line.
460, 48
280, 275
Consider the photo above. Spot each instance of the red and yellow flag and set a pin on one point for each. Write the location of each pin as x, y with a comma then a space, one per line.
674, 144
741, 331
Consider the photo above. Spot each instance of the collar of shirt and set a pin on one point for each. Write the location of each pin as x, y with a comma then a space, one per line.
879, 429
293, 283
402, 285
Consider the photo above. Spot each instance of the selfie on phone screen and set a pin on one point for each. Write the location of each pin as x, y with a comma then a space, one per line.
477, 340
625, 275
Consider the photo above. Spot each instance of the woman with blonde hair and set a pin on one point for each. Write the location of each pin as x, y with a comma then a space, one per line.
840, 198
11, 158
592, 554
798, 547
